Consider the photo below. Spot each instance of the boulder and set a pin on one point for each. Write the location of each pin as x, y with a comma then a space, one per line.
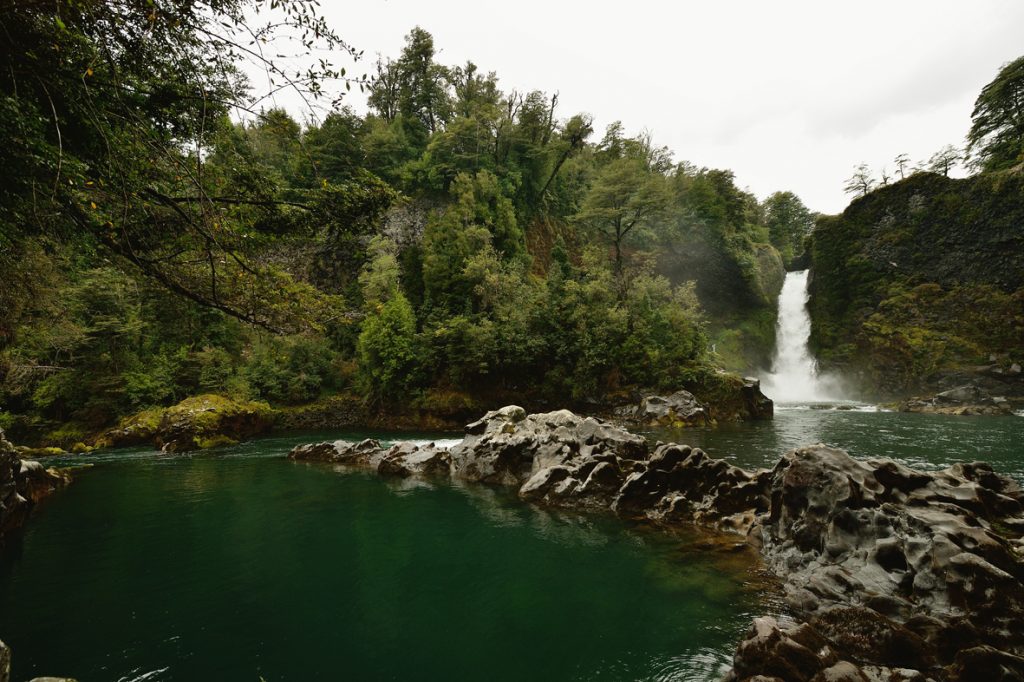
758, 405
195, 423
554, 457
966, 399
406, 459
680, 409
365, 453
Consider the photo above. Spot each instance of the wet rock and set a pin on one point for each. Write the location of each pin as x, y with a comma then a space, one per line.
758, 405
23, 484
967, 399
795, 655
843, 671
365, 453
557, 457
405, 459
679, 409
866, 635
987, 664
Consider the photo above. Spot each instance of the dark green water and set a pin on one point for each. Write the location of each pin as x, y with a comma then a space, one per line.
238, 564
925, 441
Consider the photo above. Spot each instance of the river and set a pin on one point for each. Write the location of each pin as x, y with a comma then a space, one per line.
237, 564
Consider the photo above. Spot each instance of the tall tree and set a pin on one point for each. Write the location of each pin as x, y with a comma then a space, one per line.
788, 222
861, 182
996, 139
902, 161
625, 198
945, 160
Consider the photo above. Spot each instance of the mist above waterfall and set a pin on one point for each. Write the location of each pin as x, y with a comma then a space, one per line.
794, 376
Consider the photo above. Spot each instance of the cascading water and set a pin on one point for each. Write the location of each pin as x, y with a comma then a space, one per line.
794, 376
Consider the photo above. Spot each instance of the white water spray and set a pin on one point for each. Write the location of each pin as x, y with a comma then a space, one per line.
794, 377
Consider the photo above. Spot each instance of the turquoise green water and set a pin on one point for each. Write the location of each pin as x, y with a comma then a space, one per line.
240, 565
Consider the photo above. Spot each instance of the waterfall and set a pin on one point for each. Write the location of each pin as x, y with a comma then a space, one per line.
794, 376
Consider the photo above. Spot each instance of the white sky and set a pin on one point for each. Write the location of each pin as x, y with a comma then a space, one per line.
789, 94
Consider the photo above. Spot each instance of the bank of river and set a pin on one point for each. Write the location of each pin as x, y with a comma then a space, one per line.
236, 564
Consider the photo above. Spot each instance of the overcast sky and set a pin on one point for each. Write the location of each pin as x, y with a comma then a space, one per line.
787, 94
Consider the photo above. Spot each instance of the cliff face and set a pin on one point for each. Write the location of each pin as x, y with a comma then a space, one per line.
921, 280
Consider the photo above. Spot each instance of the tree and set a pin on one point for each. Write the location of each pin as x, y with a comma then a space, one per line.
861, 182
902, 161
422, 83
109, 111
788, 222
624, 198
945, 160
386, 347
996, 138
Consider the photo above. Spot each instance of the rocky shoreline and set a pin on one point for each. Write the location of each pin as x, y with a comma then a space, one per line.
212, 420
23, 484
889, 573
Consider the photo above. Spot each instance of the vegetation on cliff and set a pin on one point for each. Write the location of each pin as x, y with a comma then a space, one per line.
452, 243
926, 276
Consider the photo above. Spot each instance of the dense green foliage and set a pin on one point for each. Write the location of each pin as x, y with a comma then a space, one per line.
454, 240
997, 130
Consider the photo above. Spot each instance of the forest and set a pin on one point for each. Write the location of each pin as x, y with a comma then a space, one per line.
455, 243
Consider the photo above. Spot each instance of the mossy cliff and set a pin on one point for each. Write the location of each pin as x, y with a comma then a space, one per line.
921, 280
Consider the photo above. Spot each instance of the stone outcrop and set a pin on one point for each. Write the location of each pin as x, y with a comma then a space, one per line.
195, 423
402, 460
890, 573
23, 484
679, 409
969, 399
734, 399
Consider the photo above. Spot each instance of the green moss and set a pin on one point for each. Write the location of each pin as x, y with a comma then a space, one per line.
66, 435
215, 441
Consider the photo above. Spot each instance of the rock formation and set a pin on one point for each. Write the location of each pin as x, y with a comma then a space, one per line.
23, 483
195, 423
889, 573
734, 399
969, 399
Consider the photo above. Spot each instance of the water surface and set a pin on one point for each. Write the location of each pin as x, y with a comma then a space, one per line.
240, 565
926, 441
